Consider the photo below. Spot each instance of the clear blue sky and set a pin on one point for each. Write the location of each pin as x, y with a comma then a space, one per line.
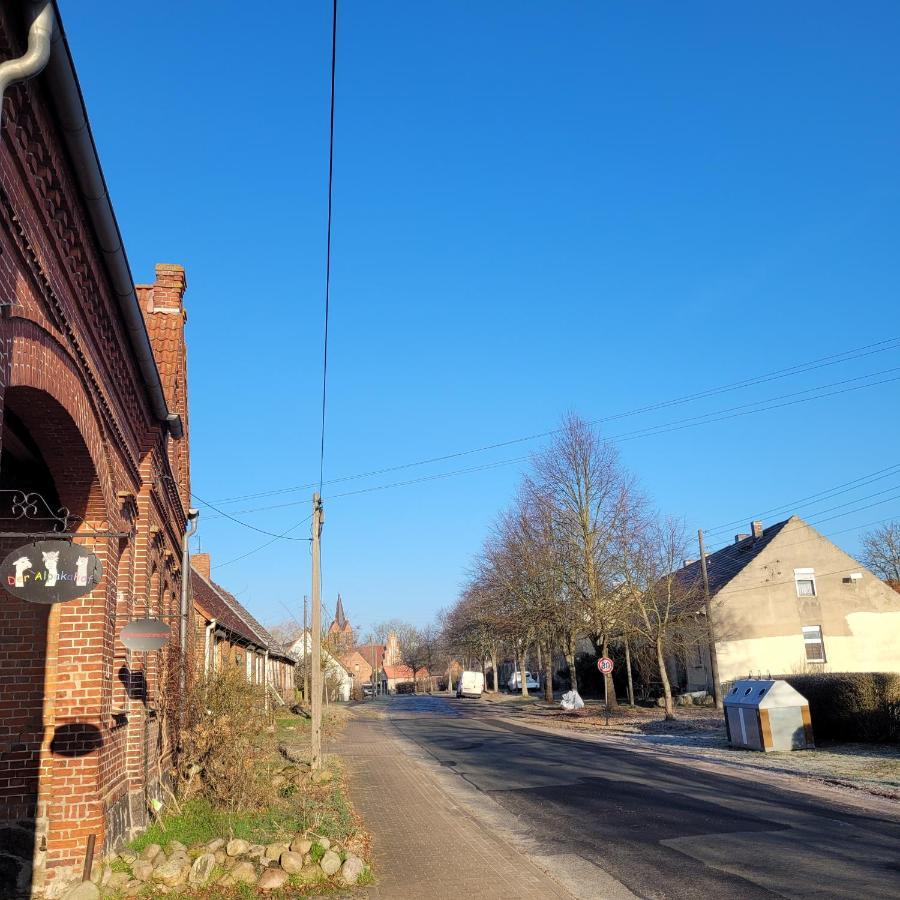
538, 207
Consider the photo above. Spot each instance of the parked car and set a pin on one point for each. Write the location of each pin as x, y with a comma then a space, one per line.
470, 684
515, 682
368, 689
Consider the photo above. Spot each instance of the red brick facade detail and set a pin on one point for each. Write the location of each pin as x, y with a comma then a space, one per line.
81, 727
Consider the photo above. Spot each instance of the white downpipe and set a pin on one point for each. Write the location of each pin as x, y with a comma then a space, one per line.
207, 650
37, 55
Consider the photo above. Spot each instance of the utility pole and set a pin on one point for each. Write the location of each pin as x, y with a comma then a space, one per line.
306, 649
318, 519
710, 629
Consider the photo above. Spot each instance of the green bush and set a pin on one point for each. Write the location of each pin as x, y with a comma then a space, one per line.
852, 706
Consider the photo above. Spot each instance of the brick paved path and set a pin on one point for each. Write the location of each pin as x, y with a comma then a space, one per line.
427, 847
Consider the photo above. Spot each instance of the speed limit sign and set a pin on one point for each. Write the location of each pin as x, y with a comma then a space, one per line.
605, 665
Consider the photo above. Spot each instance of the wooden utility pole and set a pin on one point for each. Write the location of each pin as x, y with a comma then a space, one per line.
318, 519
710, 628
306, 649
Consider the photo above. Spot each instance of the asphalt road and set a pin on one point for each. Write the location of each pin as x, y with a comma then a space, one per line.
662, 829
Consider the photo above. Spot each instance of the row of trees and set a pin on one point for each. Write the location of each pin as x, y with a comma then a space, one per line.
580, 553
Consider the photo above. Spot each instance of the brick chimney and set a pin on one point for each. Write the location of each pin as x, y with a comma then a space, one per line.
756, 529
200, 564
162, 304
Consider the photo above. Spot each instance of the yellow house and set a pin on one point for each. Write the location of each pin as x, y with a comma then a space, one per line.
787, 600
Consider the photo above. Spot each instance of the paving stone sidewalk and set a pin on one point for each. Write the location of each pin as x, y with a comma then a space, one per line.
426, 846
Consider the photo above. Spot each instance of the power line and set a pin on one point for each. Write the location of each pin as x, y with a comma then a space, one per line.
328, 242
652, 431
239, 522
277, 537
810, 500
800, 368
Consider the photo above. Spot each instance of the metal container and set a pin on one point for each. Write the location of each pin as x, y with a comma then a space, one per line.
767, 714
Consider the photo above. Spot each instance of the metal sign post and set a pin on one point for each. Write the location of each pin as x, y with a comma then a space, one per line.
606, 666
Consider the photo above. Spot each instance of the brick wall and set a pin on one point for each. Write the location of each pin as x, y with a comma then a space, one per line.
80, 717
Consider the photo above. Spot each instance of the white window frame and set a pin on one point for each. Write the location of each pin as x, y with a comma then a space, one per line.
805, 575
812, 634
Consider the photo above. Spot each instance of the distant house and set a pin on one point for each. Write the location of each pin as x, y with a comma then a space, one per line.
227, 635
402, 674
365, 660
787, 600
339, 679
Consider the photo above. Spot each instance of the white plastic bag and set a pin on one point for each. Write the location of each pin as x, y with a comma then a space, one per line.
571, 700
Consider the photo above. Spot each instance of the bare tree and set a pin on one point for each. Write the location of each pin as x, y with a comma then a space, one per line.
881, 552
581, 473
661, 601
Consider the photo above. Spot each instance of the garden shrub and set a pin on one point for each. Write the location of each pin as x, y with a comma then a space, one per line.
852, 706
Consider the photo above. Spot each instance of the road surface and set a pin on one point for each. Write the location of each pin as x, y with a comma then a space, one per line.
604, 821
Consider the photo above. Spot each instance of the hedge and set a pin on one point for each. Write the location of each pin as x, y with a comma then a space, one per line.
852, 706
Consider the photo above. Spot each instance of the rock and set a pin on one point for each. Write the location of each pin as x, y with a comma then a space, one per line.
330, 862
257, 850
217, 844
220, 857
171, 873
104, 876
291, 862
307, 859
230, 862
118, 880
244, 872
151, 851
310, 874
274, 851
351, 869
272, 879
175, 847
322, 776
160, 860
142, 869
84, 891
128, 857
660, 701
237, 847
201, 869
226, 881
133, 888
323, 842
301, 845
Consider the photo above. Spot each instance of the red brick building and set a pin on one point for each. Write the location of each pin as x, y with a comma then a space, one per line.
93, 406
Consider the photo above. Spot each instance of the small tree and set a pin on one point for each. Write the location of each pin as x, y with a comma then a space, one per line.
881, 552
661, 602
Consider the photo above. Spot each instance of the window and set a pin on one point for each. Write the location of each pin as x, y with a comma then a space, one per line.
806, 582
812, 640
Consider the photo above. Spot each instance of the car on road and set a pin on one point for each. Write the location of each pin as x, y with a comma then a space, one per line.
515, 682
368, 689
470, 684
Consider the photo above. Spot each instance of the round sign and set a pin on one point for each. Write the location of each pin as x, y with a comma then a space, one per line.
50, 572
605, 665
145, 634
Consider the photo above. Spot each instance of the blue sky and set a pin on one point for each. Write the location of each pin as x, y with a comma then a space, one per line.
539, 207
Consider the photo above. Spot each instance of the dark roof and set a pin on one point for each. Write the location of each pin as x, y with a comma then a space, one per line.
725, 564
232, 615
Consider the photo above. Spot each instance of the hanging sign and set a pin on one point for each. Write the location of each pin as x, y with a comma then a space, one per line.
605, 665
50, 572
145, 634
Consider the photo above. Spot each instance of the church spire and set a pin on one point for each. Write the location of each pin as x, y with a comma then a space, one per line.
339, 618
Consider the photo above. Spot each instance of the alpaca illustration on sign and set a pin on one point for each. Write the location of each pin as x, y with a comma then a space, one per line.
51, 559
81, 570
21, 564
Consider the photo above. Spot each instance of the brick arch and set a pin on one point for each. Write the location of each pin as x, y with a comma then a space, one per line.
38, 364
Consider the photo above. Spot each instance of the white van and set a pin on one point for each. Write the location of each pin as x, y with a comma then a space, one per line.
470, 684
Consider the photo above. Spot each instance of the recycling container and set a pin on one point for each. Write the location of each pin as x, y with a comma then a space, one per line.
767, 714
